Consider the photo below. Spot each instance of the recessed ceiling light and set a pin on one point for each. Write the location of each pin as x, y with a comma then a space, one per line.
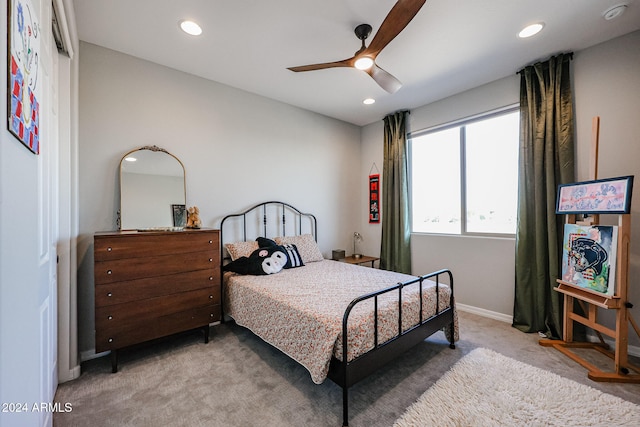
531, 30
130, 159
369, 101
190, 27
614, 11
363, 63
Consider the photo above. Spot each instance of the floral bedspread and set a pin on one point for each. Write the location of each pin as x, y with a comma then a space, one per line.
300, 310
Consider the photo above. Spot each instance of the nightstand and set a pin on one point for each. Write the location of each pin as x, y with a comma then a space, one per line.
362, 260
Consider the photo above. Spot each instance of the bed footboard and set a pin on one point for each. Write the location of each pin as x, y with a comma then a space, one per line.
345, 373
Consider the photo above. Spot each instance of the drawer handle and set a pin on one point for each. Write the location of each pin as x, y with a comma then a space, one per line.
211, 315
210, 296
110, 317
110, 339
109, 294
210, 277
210, 242
109, 249
210, 259
109, 272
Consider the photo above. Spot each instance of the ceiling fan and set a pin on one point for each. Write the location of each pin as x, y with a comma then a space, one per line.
364, 59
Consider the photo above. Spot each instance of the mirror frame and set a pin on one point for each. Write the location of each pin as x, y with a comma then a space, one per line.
153, 148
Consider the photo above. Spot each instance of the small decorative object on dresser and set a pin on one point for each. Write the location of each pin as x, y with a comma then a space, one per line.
193, 217
153, 284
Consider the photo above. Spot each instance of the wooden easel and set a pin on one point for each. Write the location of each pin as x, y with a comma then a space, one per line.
591, 300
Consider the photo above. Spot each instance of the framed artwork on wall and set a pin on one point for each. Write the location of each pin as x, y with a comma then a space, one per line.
374, 199
23, 103
589, 257
602, 196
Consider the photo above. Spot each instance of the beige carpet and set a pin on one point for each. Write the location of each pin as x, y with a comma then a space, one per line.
237, 380
486, 388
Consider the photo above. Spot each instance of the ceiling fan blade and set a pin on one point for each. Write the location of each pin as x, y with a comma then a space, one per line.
398, 18
384, 79
312, 67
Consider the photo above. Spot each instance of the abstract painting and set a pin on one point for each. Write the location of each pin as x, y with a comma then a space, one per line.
589, 256
24, 58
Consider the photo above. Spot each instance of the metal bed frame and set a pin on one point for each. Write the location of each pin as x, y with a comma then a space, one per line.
343, 372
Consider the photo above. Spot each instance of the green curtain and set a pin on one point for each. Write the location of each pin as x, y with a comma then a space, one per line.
395, 251
546, 160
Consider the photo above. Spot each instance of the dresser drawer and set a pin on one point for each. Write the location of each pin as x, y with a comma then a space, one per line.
148, 329
136, 311
153, 266
127, 246
150, 287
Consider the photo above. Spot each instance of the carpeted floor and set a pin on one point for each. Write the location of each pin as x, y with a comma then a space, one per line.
480, 390
238, 380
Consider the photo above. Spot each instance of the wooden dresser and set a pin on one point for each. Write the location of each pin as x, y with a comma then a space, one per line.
154, 283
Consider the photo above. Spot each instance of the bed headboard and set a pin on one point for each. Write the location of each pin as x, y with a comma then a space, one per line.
267, 219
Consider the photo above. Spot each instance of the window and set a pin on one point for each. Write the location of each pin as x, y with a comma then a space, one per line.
464, 176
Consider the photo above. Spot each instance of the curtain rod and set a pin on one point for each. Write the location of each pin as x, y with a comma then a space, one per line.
567, 57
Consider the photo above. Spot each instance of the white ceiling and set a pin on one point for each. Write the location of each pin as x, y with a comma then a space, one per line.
449, 47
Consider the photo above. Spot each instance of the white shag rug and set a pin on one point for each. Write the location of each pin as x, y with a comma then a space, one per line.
486, 388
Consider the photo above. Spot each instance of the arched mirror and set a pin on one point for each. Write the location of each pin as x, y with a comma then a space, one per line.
152, 190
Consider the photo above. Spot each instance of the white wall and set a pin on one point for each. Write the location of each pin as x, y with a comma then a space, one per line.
238, 149
19, 273
607, 84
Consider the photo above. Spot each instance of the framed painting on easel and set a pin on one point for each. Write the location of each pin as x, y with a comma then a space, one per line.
601, 196
589, 257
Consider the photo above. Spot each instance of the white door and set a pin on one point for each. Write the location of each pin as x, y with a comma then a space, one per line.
48, 213
29, 230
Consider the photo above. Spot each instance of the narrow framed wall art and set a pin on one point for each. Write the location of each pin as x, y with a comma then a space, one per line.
374, 199
23, 59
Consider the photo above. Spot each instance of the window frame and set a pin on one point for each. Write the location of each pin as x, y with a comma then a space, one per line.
459, 123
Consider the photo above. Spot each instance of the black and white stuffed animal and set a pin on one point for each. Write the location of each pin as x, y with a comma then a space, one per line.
293, 256
269, 258
262, 261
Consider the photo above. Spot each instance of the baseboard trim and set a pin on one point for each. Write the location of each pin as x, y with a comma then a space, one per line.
631, 350
485, 313
69, 375
91, 354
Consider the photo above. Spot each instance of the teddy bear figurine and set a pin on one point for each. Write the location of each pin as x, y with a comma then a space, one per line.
193, 217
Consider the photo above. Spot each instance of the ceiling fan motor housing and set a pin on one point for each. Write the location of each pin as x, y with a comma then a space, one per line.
363, 31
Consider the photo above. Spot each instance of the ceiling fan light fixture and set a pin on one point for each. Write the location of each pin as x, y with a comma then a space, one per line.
369, 101
190, 28
531, 30
363, 63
